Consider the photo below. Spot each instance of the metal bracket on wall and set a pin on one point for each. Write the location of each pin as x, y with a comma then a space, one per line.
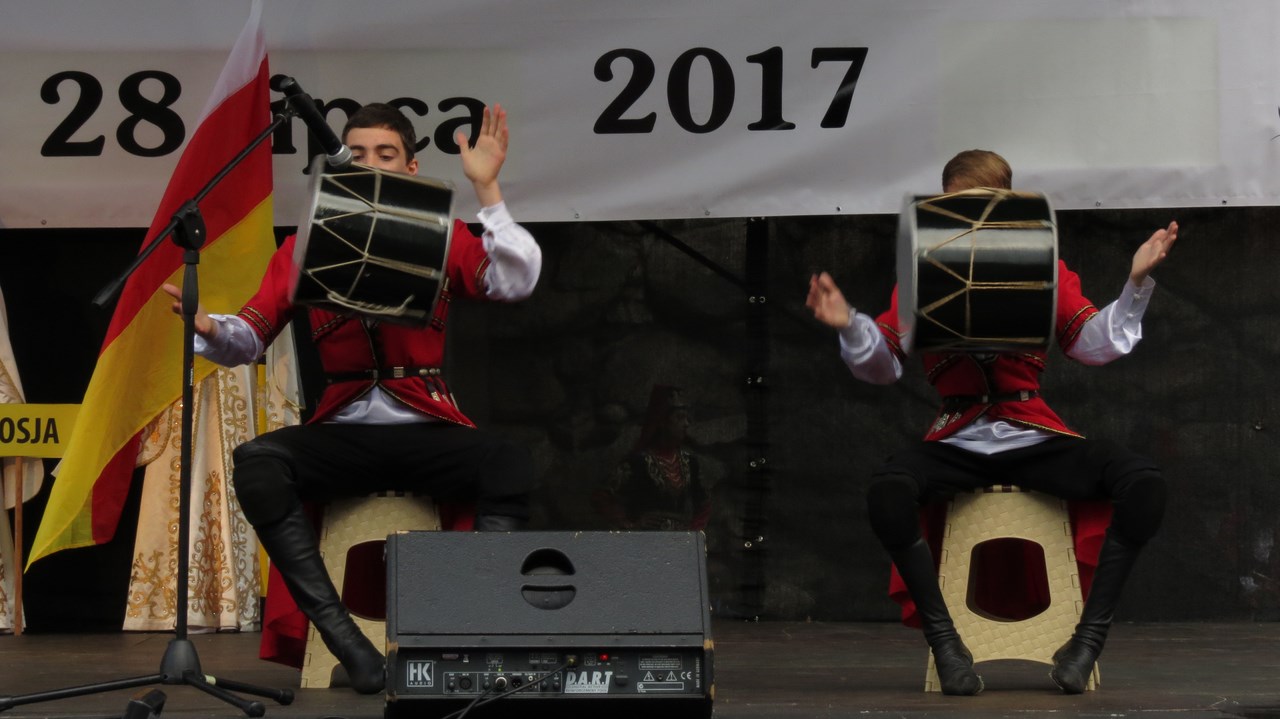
758, 484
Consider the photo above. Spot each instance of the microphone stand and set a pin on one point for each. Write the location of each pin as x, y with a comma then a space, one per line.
180, 664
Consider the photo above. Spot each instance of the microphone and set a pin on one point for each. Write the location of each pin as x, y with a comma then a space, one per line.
339, 155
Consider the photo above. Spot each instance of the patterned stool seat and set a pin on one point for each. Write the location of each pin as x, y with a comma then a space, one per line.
1009, 513
349, 523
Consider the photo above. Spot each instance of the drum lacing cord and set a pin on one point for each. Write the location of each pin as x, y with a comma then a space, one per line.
997, 196
408, 268
980, 223
369, 307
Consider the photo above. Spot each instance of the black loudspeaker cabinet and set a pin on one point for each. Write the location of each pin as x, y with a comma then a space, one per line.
563, 624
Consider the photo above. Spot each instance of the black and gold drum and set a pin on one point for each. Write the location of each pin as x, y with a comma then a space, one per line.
373, 243
977, 272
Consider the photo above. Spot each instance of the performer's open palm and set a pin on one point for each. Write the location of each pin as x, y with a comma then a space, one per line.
482, 161
827, 301
1153, 252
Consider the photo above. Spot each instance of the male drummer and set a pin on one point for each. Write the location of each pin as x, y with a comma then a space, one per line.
386, 419
994, 428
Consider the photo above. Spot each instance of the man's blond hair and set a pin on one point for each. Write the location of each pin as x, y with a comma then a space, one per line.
976, 168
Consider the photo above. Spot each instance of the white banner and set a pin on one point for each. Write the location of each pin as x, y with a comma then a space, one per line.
669, 108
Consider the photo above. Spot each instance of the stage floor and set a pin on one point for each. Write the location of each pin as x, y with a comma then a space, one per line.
767, 670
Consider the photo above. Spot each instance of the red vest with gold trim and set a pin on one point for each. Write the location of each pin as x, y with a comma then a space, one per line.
347, 344
969, 374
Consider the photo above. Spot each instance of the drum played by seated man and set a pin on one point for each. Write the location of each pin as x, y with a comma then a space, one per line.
977, 272
373, 243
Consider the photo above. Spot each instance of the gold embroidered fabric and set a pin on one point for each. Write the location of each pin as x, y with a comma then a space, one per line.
6, 580
225, 575
18, 476
29, 473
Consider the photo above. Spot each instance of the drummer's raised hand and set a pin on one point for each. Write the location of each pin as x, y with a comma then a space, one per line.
205, 326
482, 161
1152, 252
827, 301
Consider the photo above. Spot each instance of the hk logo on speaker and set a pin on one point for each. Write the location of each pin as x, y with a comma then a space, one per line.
419, 674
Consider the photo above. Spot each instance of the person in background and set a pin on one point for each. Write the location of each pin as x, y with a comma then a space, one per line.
659, 485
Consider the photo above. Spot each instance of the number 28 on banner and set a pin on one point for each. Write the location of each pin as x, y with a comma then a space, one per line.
616, 120
159, 113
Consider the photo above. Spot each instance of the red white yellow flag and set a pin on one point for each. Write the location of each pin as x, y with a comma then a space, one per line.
139, 370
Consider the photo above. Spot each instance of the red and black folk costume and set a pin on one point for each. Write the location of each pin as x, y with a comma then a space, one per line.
386, 421
994, 427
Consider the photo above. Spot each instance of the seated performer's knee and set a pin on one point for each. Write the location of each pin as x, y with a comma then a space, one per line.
263, 479
894, 510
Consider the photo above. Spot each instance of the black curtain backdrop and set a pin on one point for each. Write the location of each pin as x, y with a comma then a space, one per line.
784, 438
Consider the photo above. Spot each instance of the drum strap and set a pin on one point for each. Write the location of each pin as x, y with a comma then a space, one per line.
960, 401
374, 375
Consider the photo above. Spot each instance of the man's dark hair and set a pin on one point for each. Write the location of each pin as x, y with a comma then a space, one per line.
380, 114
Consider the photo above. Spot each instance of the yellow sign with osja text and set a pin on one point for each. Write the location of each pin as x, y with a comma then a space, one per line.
36, 430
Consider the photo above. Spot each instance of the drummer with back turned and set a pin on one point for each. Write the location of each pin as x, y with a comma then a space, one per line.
995, 428
386, 420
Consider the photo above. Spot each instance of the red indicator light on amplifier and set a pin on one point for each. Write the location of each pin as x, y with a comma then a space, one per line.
604, 657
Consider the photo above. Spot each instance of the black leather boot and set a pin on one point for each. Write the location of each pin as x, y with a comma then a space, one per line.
1073, 662
950, 656
291, 544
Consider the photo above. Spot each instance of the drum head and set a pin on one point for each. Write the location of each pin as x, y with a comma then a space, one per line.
977, 272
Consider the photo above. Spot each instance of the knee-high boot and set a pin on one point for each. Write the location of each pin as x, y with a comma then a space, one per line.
1073, 663
291, 544
950, 656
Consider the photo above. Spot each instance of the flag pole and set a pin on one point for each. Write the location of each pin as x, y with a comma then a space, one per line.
21, 481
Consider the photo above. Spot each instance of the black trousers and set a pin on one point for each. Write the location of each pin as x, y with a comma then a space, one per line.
1065, 467
321, 462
